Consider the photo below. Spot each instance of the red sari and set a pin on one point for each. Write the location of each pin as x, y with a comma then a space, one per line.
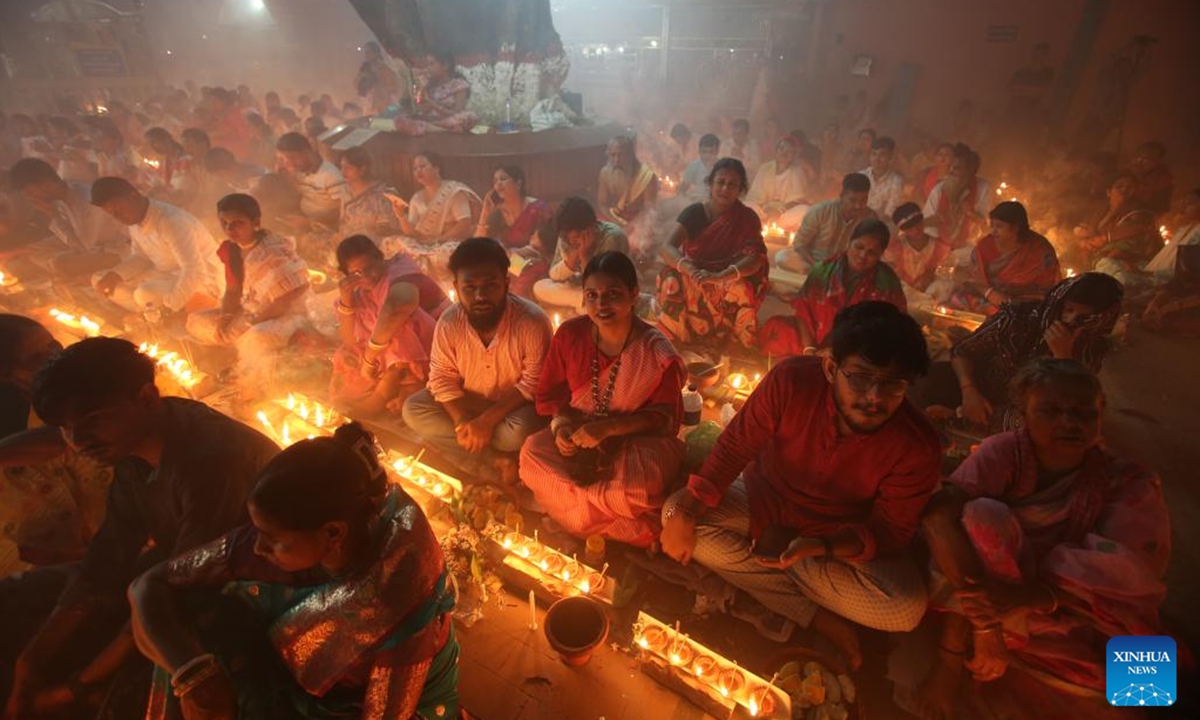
691, 311
824, 295
625, 506
1025, 273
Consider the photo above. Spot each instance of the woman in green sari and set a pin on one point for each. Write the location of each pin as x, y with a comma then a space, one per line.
331, 604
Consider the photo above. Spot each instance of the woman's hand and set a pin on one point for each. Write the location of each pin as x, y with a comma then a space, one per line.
975, 407
591, 434
399, 205
1061, 340
562, 440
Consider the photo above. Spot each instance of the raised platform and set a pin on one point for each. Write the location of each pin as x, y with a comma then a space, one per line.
557, 163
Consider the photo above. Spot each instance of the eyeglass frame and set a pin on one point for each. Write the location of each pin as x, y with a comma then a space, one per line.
875, 381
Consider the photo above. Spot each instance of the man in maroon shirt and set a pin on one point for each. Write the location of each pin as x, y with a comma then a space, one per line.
815, 489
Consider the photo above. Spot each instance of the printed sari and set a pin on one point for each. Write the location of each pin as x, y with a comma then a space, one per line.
1100, 537
1131, 240
691, 311
432, 219
1016, 334
638, 469
828, 289
1024, 273
307, 646
410, 346
369, 213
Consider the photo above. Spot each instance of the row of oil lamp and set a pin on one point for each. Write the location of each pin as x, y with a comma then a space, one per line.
545, 563
78, 323
774, 230
180, 369
689, 658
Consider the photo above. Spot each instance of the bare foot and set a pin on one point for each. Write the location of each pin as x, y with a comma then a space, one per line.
938, 695
841, 633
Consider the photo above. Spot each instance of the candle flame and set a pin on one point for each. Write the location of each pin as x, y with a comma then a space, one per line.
557, 320
291, 401
453, 296
586, 587
753, 704
1070, 272
317, 277
286, 436
643, 642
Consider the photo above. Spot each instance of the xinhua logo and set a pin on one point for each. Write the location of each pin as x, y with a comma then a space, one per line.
1141, 671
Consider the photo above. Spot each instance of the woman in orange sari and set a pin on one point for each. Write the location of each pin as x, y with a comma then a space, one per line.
611, 382
716, 272
1011, 263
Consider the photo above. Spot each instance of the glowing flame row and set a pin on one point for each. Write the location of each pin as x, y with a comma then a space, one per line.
1165, 233
720, 674
183, 372
413, 472
551, 564
90, 327
6, 280
773, 229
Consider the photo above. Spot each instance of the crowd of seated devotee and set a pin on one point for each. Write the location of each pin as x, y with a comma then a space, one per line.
208, 217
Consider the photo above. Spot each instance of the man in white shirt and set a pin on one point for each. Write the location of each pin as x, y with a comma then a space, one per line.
694, 185
743, 147
321, 185
477, 408
82, 239
172, 264
887, 186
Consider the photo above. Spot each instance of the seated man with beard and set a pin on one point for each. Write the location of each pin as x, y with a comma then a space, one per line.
812, 494
483, 371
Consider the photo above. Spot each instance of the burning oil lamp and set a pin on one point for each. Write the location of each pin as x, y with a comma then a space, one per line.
704, 666
653, 639
730, 682
7, 280
761, 702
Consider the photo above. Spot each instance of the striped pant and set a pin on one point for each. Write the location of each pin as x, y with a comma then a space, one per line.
885, 593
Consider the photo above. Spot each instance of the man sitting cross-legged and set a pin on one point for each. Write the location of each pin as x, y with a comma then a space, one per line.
483, 371
812, 494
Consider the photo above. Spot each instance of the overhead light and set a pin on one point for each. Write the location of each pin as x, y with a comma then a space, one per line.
653, 43
258, 5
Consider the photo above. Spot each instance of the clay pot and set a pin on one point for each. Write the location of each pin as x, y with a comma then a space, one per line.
703, 374
575, 627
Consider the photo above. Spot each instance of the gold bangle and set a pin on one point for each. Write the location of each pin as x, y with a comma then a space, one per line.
344, 309
372, 345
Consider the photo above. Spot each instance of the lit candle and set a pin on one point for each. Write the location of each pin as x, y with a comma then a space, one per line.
285, 436
737, 381
532, 612
1070, 272
453, 296
557, 320
703, 666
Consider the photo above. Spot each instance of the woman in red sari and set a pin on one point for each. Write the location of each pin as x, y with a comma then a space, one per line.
521, 224
716, 272
1011, 263
846, 279
1044, 547
611, 382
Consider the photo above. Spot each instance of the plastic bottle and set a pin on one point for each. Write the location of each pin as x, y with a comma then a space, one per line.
727, 413
692, 404
593, 550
